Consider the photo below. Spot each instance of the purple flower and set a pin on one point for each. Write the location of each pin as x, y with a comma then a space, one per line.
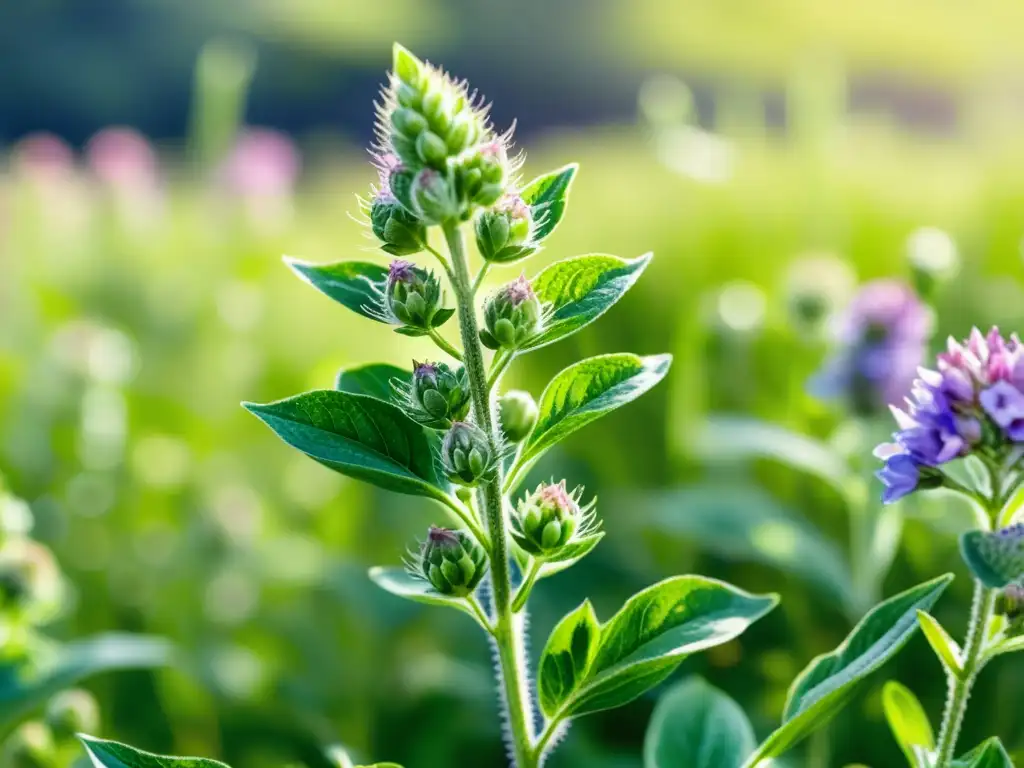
401, 271
900, 475
1004, 403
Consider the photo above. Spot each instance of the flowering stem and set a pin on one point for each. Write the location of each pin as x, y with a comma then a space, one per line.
960, 686
480, 276
443, 343
502, 361
527, 585
509, 632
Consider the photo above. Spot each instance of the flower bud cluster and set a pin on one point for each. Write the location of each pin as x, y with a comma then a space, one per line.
452, 562
466, 454
551, 517
512, 316
411, 296
972, 403
438, 394
503, 233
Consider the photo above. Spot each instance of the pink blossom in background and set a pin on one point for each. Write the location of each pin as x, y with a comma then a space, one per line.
123, 158
43, 156
263, 163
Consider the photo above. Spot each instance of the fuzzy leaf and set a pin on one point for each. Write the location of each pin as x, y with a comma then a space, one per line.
945, 647
828, 683
24, 685
989, 754
566, 657
112, 754
547, 197
571, 554
581, 289
908, 721
373, 379
584, 392
399, 582
995, 558
652, 634
697, 726
347, 282
361, 437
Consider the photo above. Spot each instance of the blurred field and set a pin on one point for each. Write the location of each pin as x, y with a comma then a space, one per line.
142, 298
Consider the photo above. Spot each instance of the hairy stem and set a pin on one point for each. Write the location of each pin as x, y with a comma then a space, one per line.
960, 687
509, 632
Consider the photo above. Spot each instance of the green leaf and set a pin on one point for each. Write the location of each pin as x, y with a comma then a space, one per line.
112, 754
908, 721
651, 636
697, 726
566, 658
828, 682
945, 647
989, 754
582, 393
350, 283
995, 558
547, 196
27, 683
398, 581
373, 379
743, 522
581, 289
361, 437
1009, 645
570, 554
733, 438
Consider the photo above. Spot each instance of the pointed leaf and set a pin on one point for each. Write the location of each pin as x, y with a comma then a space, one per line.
373, 379
945, 647
582, 393
989, 754
350, 283
566, 657
24, 684
112, 754
570, 554
361, 437
828, 683
908, 721
581, 289
398, 581
547, 196
654, 632
995, 558
697, 726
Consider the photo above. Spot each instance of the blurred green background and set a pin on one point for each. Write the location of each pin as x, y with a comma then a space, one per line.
142, 297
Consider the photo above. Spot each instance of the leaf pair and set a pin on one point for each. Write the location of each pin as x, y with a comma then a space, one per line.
587, 667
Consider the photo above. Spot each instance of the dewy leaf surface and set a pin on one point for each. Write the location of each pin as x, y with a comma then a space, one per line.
359, 436
581, 289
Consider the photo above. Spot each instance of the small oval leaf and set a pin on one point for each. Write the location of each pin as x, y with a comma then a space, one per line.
908, 721
654, 632
581, 289
697, 726
361, 437
26, 685
583, 393
945, 647
996, 558
547, 197
112, 754
828, 682
373, 379
399, 582
350, 283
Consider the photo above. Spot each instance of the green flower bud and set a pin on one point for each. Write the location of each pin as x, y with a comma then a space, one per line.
517, 413
31, 746
512, 316
431, 149
546, 520
71, 712
503, 233
438, 395
434, 197
399, 231
408, 122
412, 295
466, 454
1010, 603
462, 134
452, 561
408, 68
437, 107
29, 582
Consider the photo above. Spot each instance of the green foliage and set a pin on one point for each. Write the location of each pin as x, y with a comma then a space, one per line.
908, 722
373, 379
990, 754
111, 754
350, 283
946, 648
698, 726
995, 558
582, 671
547, 196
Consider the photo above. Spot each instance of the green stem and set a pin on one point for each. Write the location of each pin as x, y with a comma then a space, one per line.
508, 629
524, 589
480, 276
960, 687
443, 343
501, 363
